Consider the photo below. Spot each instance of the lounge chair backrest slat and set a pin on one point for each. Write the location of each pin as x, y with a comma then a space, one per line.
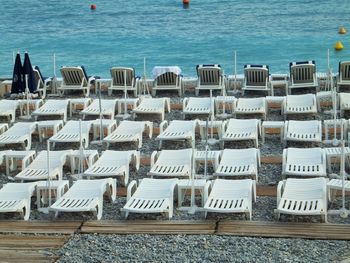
168, 78
210, 76
302, 72
344, 70
73, 76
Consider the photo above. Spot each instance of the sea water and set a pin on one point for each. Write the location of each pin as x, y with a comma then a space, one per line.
122, 33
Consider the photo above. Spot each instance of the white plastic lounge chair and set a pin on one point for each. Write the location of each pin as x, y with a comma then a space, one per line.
251, 106
210, 77
114, 163
302, 197
71, 133
151, 196
231, 196
53, 108
303, 131
256, 77
167, 78
171, 163
37, 170
344, 102
118, 82
241, 129
78, 104
197, 106
75, 78
177, 130
343, 78
86, 196
238, 163
43, 84
302, 75
8, 109
130, 131
153, 106
306, 162
300, 104
89, 158
19, 133
108, 108
16, 197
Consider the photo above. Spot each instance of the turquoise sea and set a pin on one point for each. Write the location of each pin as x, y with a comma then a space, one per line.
122, 33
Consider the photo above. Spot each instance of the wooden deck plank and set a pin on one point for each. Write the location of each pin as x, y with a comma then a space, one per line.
149, 227
40, 227
25, 256
284, 230
29, 242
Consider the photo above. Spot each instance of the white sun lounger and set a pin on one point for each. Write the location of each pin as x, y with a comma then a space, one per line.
86, 196
343, 78
108, 108
310, 162
43, 84
177, 130
344, 102
256, 78
8, 109
167, 78
37, 170
75, 78
114, 163
239, 162
16, 197
151, 196
240, 129
19, 133
53, 108
303, 131
71, 133
118, 82
251, 106
302, 197
302, 75
130, 131
153, 106
210, 77
231, 196
171, 163
197, 106
300, 104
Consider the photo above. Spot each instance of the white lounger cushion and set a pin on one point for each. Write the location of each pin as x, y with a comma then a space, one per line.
71, 133
304, 162
300, 104
130, 131
20, 132
16, 197
176, 163
53, 107
153, 106
198, 106
152, 196
86, 195
241, 129
107, 108
239, 162
37, 170
302, 197
310, 131
231, 196
251, 106
114, 163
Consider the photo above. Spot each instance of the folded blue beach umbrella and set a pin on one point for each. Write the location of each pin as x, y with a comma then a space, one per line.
28, 70
17, 77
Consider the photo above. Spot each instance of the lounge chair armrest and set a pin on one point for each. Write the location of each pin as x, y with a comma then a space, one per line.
259, 127
284, 161
254, 190
184, 103
167, 104
207, 188
153, 158
258, 157
163, 126
131, 189
280, 188
136, 159
149, 128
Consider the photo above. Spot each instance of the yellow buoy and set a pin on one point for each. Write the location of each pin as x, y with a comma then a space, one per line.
342, 30
338, 45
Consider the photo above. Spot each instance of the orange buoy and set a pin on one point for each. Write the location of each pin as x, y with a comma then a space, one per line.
185, 2
338, 45
93, 7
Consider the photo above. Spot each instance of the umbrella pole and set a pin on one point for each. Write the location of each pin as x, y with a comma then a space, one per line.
48, 176
126, 115
193, 207
13, 57
27, 93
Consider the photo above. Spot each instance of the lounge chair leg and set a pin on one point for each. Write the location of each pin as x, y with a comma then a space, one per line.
26, 213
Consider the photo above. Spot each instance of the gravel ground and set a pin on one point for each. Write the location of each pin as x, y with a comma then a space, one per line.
190, 248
